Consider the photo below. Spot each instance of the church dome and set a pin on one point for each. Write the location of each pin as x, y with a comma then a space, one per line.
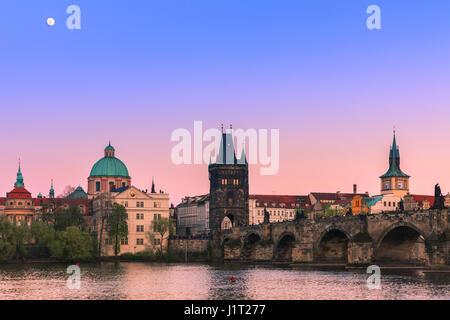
109, 166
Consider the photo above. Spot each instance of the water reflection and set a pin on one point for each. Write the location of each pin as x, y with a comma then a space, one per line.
200, 281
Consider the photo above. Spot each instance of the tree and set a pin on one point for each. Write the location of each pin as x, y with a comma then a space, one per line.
104, 204
67, 190
329, 212
72, 244
21, 236
7, 249
68, 218
162, 226
117, 226
43, 235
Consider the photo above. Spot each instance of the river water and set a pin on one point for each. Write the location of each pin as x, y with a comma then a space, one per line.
139, 280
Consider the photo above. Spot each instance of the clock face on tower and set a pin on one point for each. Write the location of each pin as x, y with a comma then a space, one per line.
400, 184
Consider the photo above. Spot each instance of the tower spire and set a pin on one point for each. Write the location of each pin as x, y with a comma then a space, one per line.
19, 180
153, 185
51, 194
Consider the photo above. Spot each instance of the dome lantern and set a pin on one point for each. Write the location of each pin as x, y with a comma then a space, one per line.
109, 151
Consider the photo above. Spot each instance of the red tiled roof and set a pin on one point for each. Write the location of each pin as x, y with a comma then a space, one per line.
275, 201
335, 195
343, 202
58, 202
421, 198
19, 193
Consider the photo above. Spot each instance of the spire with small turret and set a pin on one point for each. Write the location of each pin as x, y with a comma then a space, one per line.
51, 194
394, 181
19, 180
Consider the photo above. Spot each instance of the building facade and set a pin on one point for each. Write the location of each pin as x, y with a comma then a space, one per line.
193, 216
280, 207
142, 209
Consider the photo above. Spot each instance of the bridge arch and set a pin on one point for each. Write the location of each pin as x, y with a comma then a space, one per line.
402, 243
332, 246
284, 246
250, 241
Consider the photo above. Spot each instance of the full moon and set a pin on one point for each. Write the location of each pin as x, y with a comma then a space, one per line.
50, 21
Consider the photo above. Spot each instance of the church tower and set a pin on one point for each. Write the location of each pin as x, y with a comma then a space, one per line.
51, 193
394, 181
228, 195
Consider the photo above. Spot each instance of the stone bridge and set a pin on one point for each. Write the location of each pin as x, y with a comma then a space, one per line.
418, 238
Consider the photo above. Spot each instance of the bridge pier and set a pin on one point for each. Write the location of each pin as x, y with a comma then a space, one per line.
360, 253
303, 253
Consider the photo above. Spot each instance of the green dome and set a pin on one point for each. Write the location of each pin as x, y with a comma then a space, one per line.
109, 167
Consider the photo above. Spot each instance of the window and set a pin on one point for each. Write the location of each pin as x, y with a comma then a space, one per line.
139, 216
97, 186
230, 198
139, 241
124, 241
157, 216
138, 204
126, 203
142, 204
157, 241
139, 228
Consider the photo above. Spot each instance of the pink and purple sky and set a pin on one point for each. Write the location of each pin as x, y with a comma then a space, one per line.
137, 71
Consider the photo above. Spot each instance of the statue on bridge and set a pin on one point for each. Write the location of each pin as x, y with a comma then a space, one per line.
266, 216
299, 213
401, 206
439, 199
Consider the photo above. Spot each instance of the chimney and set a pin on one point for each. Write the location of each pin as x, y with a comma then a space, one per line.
355, 188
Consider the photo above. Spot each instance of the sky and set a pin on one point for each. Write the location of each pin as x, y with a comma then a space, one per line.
138, 70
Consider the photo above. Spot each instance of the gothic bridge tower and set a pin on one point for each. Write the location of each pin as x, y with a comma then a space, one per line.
228, 195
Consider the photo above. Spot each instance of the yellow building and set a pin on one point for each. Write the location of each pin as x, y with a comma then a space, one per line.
19, 206
142, 209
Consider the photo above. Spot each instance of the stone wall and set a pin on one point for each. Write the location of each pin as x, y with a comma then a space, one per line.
192, 249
